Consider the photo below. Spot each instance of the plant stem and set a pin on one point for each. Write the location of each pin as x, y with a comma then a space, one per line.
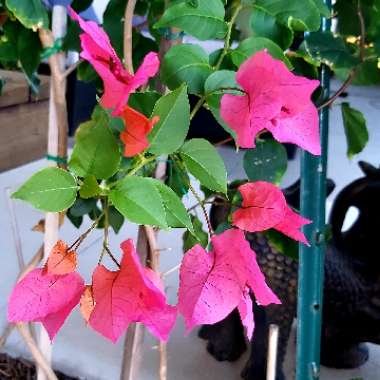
227, 41
197, 106
227, 45
142, 163
106, 228
362, 32
111, 256
80, 239
341, 89
128, 20
352, 73
225, 141
201, 203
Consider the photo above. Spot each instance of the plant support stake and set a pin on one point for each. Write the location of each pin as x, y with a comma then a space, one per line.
311, 259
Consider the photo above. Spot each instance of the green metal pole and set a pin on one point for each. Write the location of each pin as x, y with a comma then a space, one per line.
311, 259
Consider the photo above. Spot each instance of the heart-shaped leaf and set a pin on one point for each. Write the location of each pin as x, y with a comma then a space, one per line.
50, 189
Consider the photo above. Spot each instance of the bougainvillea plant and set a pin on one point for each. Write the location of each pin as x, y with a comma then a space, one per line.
267, 84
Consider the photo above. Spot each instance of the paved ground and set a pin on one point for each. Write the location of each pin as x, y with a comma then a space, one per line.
80, 351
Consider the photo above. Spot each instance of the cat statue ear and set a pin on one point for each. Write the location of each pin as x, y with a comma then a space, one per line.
369, 170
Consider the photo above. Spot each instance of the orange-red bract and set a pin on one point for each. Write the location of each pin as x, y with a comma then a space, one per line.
61, 260
87, 303
137, 127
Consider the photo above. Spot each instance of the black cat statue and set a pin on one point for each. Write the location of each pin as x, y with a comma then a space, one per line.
351, 308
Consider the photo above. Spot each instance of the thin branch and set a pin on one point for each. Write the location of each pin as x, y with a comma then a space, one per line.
227, 45
225, 141
197, 106
70, 69
227, 41
74, 246
342, 88
201, 203
128, 21
111, 256
15, 230
362, 32
35, 351
171, 270
351, 75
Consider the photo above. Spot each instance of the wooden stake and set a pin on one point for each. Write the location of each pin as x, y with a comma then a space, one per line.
38, 356
135, 333
146, 240
15, 230
272, 352
57, 143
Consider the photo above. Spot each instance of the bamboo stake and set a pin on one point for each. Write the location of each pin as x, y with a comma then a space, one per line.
272, 352
154, 254
15, 230
57, 143
135, 333
146, 240
38, 356
30, 266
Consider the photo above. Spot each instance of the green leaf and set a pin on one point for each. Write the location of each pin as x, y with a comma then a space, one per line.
31, 13
143, 101
366, 74
203, 19
113, 24
75, 220
252, 45
96, 151
80, 5
82, 207
115, 219
9, 40
139, 201
170, 132
331, 50
186, 63
86, 73
141, 46
282, 243
204, 162
71, 41
29, 49
176, 213
90, 187
267, 162
177, 179
355, 129
219, 83
323, 8
298, 15
199, 236
50, 189
265, 25
348, 23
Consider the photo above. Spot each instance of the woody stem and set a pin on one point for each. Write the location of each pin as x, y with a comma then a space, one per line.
111, 255
201, 203
80, 239
226, 48
128, 20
